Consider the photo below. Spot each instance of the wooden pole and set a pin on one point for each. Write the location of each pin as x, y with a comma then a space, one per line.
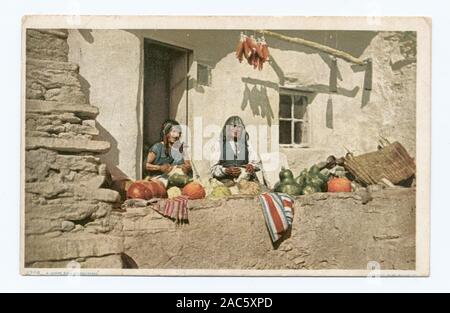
314, 45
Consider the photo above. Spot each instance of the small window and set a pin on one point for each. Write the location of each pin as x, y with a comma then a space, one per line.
293, 118
203, 75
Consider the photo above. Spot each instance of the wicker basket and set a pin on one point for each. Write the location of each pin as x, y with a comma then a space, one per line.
391, 162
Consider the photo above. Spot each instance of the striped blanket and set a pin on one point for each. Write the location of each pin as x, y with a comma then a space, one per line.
278, 212
174, 208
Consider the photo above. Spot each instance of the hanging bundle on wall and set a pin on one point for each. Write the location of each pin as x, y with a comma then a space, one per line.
255, 51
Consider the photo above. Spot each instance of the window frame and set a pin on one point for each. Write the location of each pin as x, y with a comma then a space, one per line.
293, 93
208, 69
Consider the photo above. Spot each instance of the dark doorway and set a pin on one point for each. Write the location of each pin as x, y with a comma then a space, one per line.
165, 88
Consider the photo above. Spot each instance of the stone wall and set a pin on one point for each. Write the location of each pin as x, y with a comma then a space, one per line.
330, 231
67, 212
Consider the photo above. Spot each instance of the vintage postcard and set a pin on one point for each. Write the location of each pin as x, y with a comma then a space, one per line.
226, 146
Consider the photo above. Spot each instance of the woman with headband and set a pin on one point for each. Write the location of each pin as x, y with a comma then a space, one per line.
168, 153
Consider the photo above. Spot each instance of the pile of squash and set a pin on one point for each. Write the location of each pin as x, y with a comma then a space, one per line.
315, 179
146, 189
178, 185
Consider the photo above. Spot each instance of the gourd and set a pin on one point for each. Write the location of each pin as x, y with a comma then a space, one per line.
287, 183
301, 180
194, 191
318, 184
285, 174
339, 184
178, 180
309, 189
312, 180
292, 189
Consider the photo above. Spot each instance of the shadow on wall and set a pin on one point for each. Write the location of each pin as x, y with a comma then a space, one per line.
258, 101
111, 158
224, 43
365, 98
211, 46
329, 122
85, 88
334, 69
139, 146
278, 71
193, 84
352, 42
367, 84
325, 89
400, 64
87, 35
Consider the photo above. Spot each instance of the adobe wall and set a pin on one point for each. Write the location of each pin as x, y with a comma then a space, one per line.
329, 231
352, 118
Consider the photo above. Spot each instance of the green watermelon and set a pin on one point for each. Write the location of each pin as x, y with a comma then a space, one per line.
317, 183
178, 180
309, 190
301, 180
322, 177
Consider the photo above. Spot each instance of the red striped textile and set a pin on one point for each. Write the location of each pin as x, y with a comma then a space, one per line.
175, 208
274, 213
278, 210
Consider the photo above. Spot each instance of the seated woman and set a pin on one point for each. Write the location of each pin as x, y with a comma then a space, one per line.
233, 156
167, 154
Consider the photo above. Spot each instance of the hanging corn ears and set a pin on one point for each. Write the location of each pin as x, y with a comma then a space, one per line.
255, 51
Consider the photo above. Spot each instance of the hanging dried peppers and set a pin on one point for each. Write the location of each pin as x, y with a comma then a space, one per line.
255, 51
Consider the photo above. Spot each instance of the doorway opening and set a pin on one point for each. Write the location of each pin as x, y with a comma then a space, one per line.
165, 88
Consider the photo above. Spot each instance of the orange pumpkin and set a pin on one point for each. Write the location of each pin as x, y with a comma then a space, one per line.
339, 184
194, 191
156, 188
137, 190
152, 187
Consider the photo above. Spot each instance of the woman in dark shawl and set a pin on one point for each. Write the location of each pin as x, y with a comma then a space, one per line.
233, 155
